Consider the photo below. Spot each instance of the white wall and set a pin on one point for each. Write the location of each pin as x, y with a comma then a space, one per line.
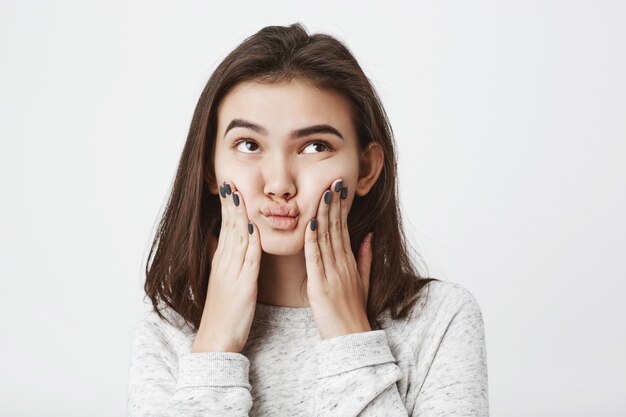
509, 118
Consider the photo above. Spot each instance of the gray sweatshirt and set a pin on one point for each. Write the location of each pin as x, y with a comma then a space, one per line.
432, 363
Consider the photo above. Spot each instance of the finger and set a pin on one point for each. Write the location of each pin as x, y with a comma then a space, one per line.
345, 232
252, 259
334, 222
224, 215
224, 193
312, 254
240, 215
239, 231
364, 263
228, 222
323, 232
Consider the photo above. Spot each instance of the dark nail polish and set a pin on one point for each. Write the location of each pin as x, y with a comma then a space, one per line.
250, 228
327, 197
228, 189
338, 186
236, 199
313, 224
344, 193
222, 192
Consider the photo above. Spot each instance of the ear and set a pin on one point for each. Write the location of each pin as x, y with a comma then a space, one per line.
370, 166
210, 182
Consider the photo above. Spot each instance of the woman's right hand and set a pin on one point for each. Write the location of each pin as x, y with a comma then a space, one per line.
233, 282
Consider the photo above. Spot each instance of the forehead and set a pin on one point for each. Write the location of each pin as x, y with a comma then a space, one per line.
285, 106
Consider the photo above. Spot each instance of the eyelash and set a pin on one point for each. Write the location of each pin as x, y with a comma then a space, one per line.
329, 148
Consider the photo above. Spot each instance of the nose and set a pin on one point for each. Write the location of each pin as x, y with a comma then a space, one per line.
279, 179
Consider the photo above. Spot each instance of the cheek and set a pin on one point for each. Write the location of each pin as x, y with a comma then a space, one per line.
244, 180
314, 184
229, 169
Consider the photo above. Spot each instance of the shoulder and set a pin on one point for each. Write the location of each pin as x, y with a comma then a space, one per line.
172, 335
436, 299
445, 297
439, 303
453, 304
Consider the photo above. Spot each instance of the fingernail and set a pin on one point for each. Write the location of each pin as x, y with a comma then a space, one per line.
222, 192
228, 189
327, 197
344, 193
313, 224
236, 199
250, 228
338, 186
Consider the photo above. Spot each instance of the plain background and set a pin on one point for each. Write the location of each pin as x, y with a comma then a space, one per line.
510, 124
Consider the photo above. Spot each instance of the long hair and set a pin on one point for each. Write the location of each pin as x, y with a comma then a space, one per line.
179, 262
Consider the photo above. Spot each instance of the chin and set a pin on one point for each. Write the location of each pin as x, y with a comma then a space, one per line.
285, 245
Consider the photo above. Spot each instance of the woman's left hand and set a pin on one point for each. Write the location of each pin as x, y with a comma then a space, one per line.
337, 285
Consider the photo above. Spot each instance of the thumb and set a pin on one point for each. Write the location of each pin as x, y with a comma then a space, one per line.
364, 264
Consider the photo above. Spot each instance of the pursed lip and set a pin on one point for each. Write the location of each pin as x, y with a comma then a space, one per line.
280, 211
281, 216
283, 222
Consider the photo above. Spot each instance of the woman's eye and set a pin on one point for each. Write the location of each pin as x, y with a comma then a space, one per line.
250, 146
324, 145
254, 144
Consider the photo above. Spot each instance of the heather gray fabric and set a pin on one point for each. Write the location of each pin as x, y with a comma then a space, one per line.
432, 363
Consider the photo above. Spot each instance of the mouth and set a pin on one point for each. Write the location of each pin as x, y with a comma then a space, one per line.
282, 222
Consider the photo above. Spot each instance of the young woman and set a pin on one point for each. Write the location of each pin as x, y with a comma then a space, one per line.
280, 280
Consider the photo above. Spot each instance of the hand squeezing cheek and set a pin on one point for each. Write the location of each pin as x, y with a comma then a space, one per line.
337, 285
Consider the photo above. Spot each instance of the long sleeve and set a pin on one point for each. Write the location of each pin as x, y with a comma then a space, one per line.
196, 384
456, 383
357, 373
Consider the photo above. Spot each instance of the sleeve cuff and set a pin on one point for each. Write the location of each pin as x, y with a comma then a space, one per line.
352, 351
213, 369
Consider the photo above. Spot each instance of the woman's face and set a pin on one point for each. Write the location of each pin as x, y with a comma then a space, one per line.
269, 167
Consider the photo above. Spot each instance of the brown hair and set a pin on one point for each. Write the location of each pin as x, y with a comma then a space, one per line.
180, 268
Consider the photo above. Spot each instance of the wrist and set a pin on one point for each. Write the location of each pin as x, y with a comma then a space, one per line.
197, 348
344, 330
212, 344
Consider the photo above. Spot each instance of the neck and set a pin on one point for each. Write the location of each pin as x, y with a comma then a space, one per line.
282, 280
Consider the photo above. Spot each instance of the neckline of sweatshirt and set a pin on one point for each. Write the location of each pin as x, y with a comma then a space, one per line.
296, 317
286, 317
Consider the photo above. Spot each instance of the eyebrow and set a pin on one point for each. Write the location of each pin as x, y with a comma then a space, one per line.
294, 134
